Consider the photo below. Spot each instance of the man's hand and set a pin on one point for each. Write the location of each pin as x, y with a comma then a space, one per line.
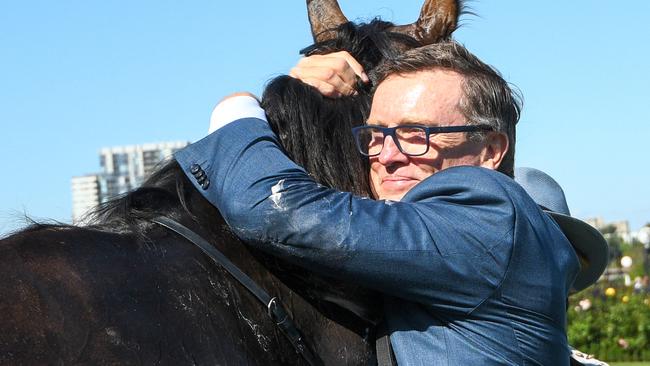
334, 74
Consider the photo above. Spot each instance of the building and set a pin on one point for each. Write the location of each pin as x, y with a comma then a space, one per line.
622, 230
123, 169
619, 228
85, 195
597, 222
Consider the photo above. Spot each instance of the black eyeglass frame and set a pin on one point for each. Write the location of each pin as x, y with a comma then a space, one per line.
390, 131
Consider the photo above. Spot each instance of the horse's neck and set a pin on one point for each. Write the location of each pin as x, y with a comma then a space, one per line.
306, 297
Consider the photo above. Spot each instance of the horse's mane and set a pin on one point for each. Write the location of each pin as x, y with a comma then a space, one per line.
165, 191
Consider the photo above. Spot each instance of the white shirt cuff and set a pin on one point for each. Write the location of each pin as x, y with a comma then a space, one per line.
233, 109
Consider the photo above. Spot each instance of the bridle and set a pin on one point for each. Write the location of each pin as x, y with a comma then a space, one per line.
274, 307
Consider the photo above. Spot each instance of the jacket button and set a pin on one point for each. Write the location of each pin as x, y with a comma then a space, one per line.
200, 174
195, 168
201, 179
205, 184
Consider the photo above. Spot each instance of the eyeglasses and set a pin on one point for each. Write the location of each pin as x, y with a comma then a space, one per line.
412, 140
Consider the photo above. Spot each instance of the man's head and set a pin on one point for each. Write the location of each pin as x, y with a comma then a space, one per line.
441, 85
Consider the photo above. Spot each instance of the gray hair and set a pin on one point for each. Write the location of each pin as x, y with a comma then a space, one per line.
488, 99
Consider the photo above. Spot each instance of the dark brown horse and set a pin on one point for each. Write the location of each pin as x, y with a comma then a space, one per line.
126, 291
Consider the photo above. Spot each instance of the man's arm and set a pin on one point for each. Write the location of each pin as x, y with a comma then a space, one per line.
418, 251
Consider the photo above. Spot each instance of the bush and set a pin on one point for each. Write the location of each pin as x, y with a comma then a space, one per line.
613, 328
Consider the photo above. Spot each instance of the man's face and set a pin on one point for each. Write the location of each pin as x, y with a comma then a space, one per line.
427, 98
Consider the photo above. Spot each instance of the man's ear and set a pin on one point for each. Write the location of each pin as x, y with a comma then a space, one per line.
494, 150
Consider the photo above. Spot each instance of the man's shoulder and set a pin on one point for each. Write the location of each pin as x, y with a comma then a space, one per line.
468, 174
465, 181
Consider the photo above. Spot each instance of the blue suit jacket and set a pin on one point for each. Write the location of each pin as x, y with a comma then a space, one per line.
473, 271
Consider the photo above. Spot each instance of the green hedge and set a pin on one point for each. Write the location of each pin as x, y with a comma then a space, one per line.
610, 319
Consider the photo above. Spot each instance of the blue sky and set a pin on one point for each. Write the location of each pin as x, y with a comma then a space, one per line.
76, 76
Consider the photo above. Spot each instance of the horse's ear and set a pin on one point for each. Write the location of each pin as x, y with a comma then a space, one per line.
438, 20
324, 17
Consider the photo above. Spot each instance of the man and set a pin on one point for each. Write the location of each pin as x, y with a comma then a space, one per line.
473, 271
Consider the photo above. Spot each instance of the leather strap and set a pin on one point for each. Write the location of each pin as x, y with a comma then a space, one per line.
274, 307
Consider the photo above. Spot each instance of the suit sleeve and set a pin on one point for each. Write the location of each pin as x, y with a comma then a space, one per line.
447, 247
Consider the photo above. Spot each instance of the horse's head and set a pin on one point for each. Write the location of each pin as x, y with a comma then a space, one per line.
315, 130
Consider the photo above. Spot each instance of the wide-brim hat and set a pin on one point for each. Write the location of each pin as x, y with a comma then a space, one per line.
588, 242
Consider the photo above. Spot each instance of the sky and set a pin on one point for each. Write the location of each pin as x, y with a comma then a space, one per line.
76, 76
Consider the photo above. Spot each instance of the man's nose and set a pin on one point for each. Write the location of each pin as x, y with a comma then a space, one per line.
390, 153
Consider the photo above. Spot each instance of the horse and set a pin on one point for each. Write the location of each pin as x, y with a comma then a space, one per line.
125, 290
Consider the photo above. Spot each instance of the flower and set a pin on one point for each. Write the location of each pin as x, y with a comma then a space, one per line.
610, 292
625, 299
